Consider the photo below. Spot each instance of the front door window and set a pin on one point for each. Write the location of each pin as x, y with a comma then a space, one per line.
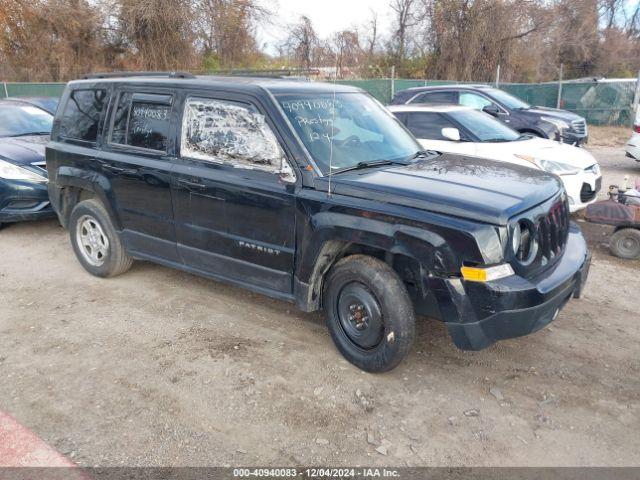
231, 133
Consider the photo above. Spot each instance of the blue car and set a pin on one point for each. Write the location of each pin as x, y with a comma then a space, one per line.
25, 125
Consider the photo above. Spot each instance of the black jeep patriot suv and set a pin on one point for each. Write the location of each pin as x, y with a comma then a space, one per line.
316, 195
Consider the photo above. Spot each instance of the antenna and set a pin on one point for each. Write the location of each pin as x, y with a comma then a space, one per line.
333, 119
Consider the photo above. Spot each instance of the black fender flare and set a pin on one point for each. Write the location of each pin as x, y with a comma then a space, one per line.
334, 232
91, 181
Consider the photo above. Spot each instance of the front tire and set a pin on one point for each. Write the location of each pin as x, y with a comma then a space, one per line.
369, 313
96, 242
625, 243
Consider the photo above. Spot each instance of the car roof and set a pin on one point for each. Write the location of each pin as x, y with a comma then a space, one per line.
48, 104
451, 86
425, 107
235, 83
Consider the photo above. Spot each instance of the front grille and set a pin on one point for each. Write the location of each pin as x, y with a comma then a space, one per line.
587, 193
579, 126
553, 231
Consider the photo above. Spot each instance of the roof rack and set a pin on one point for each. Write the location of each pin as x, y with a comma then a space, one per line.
266, 73
138, 74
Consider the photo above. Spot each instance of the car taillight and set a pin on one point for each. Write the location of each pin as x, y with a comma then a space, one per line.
636, 128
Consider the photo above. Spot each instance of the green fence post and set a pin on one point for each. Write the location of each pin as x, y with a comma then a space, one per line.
559, 102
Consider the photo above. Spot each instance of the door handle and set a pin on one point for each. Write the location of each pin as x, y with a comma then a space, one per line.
190, 184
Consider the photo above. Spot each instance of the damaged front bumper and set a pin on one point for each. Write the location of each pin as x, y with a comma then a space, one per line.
479, 314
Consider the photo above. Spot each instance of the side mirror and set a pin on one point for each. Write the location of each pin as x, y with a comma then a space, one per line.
492, 110
451, 134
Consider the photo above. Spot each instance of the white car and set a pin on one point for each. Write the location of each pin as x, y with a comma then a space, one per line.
633, 145
463, 130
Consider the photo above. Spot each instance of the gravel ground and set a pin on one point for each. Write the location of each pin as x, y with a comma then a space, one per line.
158, 367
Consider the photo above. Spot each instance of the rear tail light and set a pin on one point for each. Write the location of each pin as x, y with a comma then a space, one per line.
636, 128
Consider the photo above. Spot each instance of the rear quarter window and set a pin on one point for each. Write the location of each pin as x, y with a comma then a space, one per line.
81, 115
438, 98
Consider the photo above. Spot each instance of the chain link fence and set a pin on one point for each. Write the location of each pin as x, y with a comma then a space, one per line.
10, 89
600, 102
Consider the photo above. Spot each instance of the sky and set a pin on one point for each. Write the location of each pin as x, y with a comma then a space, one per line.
327, 16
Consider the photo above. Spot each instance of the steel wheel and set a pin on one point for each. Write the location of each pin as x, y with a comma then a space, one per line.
360, 316
94, 244
625, 243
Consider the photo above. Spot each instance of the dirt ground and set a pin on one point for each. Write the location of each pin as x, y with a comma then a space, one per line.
606, 136
158, 367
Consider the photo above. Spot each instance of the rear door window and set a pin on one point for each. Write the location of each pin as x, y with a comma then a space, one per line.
428, 125
473, 100
142, 120
448, 97
82, 112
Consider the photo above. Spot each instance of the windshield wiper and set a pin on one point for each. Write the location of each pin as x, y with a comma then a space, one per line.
363, 165
30, 133
496, 140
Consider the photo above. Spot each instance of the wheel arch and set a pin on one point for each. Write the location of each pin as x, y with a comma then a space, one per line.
534, 131
412, 252
74, 185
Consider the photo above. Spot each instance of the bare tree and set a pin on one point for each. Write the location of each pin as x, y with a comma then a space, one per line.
227, 29
44, 40
160, 33
372, 37
407, 14
348, 52
302, 43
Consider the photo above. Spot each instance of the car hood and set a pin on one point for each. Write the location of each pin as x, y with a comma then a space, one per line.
468, 187
552, 112
23, 150
557, 152
539, 148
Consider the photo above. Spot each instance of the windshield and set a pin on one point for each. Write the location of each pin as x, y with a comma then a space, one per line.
23, 120
507, 99
484, 126
357, 130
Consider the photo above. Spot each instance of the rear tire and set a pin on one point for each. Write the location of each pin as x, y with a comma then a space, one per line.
369, 313
96, 242
625, 243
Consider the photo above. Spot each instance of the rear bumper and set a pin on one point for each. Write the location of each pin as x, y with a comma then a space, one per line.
21, 201
479, 314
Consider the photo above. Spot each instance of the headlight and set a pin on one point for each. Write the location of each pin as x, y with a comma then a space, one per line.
516, 238
9, 171
560, 124
595, 169
523, 242
558, 168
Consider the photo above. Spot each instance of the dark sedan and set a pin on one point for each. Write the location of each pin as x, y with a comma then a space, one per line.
24, 132
48, 104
